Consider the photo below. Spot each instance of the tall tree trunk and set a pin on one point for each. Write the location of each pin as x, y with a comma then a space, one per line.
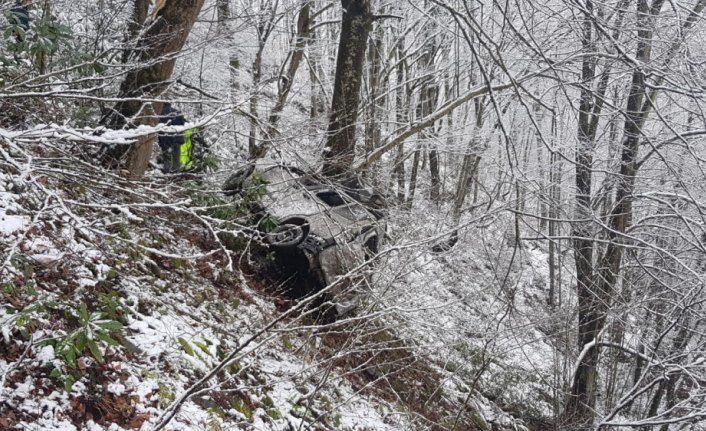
413, 179
579, 408
428, 97
466, 179
166, 35
253, 148
137, 21
317, 93
377, 99
580, 404
471, 160
595, 296
264, 28
400, 117
286, 80
543, 198
435, 192
553, 215
340, 144
223, 12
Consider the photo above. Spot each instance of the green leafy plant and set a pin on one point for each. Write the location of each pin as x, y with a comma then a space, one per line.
111, 306
66, 378
85, 117
44, 38
267, 223
243, 408
269, 405
215, 206
186, 346
254, 189
215, 416
286, 342
208, 163
166, 396
24, 264
24, 320
235, 367
93, 327
274, 413
203, 347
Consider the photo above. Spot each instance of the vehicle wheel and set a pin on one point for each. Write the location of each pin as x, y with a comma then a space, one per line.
286, 236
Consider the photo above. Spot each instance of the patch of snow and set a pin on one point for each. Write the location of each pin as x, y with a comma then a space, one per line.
102, 271
116, 388
47, 258
10, 224
45, 354
86, 282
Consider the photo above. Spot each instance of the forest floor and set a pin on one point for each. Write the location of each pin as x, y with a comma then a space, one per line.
134, 305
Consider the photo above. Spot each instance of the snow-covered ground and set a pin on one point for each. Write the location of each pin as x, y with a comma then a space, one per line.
117, 304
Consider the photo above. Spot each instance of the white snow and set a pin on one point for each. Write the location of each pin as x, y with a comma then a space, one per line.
45, 354
10, 224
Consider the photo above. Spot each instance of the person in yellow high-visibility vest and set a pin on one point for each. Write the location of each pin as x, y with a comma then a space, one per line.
177, 148
186, 150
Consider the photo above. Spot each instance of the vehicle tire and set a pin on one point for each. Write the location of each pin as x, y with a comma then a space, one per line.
286, 236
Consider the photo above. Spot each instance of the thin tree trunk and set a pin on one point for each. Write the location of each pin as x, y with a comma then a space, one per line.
223, 12
428, 96
254, 100
542, 198
286, 80
401, 118
469, 165
435, 192
413, 179
377, 100
313, 77
553, 214
264, 29
671, 398
522, 195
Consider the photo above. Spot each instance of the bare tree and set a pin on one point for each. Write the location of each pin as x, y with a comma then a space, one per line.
597, 286
286, 78
267, 20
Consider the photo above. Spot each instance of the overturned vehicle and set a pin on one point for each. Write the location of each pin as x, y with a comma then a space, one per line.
325, 230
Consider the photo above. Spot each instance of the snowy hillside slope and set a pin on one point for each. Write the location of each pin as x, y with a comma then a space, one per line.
122, 308
481, 310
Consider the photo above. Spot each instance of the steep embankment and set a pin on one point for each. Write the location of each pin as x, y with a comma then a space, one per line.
122, 308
